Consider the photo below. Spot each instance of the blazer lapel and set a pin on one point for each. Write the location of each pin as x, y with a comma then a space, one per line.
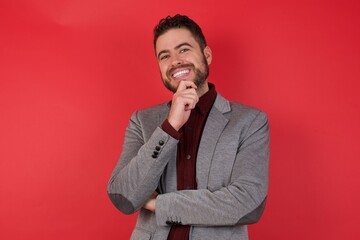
214, 126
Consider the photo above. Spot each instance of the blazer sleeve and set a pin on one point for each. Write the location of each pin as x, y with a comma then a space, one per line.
141, 164
240, 202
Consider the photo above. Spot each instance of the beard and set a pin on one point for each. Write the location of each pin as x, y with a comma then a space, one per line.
199, 79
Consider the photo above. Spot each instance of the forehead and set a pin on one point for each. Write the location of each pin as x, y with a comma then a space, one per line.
173, 37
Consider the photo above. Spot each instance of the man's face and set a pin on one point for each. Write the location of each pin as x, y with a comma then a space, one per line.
180, 58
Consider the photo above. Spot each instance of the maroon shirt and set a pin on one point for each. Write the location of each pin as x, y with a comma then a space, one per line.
189, 139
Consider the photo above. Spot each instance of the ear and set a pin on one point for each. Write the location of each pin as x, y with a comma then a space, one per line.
208, 54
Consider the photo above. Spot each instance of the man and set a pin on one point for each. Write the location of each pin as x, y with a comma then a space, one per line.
196, 167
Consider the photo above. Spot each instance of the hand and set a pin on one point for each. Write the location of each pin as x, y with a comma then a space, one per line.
184, 100
151, 203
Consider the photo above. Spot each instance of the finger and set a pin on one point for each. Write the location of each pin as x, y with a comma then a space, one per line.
186, 97
188, 92
190, 103
186, 84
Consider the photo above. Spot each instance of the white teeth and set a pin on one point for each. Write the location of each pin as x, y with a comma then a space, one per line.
179, 73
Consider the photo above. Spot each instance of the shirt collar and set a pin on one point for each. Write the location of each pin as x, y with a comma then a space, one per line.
207, 100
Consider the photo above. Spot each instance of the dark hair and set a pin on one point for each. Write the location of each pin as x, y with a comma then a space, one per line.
179, 21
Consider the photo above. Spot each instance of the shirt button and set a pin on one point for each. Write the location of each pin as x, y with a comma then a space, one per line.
161, 142
188, 156
157, 148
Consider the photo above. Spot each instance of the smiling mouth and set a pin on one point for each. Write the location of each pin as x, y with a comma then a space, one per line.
181, 73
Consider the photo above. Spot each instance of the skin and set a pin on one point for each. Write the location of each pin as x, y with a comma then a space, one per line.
178, 52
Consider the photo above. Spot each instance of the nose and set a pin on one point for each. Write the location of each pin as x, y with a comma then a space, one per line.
176, 60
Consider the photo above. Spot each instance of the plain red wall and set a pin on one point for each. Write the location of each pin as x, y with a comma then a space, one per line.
72, 72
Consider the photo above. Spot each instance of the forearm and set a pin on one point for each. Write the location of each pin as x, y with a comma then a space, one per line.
226, 207
241, 201
139, 169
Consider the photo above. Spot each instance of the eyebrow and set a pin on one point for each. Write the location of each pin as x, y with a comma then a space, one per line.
177, 47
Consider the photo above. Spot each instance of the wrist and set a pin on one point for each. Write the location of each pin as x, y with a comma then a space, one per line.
169, 129
175, 126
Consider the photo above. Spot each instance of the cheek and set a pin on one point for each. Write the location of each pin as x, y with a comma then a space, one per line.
197, 61
162, 69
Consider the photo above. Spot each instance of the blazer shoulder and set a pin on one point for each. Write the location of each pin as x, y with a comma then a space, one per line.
246, 112
224, 105
235, 106
149, 112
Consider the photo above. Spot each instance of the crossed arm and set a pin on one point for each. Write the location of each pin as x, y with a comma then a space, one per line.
137, 175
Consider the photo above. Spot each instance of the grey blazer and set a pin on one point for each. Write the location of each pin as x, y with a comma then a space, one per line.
231, 174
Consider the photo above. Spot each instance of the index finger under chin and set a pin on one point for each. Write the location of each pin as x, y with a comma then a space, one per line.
186, 84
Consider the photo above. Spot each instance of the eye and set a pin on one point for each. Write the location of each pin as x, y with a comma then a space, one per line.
183, 50
164, 56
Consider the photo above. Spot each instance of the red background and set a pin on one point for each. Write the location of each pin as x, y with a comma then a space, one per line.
72, 72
